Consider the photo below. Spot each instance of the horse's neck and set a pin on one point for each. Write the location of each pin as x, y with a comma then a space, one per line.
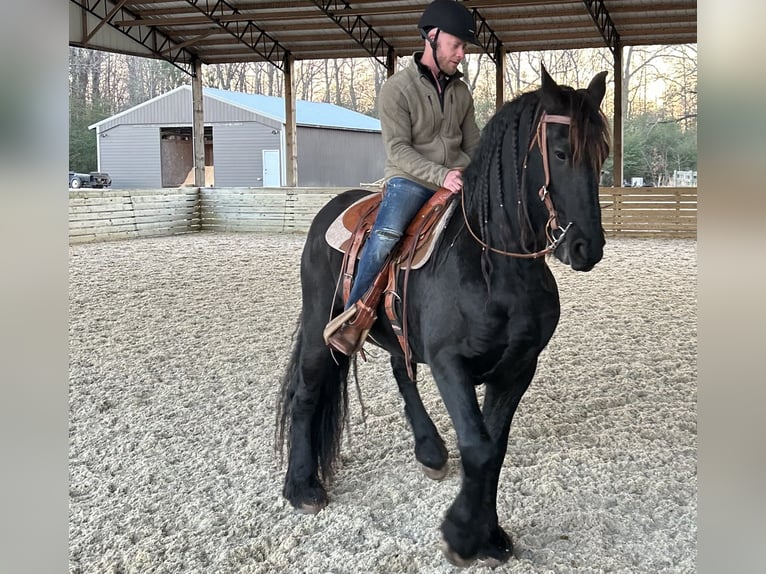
504, 226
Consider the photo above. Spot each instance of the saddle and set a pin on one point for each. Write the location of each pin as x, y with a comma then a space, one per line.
348, 233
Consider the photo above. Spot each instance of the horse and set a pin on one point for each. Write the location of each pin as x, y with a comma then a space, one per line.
479, 312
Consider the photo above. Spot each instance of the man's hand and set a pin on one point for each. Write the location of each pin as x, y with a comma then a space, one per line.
454, 180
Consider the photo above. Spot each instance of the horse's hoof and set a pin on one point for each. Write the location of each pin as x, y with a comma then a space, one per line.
435, 473
491, 562
309, 508
498, 551
454, 558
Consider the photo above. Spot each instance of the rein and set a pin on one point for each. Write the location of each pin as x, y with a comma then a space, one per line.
541, 141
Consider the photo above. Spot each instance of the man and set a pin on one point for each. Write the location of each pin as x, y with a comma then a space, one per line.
429, 133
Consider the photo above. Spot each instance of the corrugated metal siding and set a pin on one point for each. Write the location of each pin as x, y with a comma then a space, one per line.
175, 109
237, 153
328, 158
131, 156
217, 111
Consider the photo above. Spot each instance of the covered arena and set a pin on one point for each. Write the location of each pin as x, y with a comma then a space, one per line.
181, 325
177, 345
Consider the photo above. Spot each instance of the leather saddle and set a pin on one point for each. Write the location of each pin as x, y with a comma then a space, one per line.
348, 233
356, 221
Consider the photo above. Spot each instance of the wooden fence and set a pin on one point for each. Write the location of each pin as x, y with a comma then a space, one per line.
283, 209
649, 211
114, 214
96, 215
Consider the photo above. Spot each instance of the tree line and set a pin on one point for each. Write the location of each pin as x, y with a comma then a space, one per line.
659, 94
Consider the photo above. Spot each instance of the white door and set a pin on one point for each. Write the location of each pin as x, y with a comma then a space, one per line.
271, 168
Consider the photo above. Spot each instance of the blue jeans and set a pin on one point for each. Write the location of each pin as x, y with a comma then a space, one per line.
401, 201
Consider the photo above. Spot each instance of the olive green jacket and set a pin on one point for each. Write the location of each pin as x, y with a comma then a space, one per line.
422, 141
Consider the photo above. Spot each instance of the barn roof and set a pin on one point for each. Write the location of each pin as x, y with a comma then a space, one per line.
306, 113
317, 114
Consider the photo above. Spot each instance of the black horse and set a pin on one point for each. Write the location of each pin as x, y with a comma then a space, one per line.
479, 312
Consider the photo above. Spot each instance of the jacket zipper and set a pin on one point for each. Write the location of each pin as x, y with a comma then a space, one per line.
440, 132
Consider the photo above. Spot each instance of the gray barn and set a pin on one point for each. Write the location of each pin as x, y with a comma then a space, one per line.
150, 145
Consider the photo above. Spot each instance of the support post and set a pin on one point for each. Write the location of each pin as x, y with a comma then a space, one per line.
198, 125
291, 139
617, 149
499, 76
391, 58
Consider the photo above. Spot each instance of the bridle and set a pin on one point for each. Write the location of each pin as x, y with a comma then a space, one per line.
540, 139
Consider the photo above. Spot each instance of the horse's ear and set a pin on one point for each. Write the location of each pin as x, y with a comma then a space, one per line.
550, 91
548, 83
597, 87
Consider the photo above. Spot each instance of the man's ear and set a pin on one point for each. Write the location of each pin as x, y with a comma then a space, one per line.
431, 36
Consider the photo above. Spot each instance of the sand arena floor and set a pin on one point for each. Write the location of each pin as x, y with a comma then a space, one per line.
176, 349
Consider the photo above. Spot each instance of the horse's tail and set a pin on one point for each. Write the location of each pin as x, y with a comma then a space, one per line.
324, 399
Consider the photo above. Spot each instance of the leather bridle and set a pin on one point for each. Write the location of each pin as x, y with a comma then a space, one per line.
541, 140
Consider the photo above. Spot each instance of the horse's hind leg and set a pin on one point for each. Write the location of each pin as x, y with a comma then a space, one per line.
430, 451
316, 409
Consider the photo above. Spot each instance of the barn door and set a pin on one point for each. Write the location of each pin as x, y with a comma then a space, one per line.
271, 171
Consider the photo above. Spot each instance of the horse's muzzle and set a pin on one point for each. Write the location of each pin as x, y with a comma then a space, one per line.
581, 253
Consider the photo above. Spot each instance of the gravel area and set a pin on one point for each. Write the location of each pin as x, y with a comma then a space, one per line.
176, 349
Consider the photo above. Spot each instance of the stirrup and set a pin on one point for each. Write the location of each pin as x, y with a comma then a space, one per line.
348, 331
337, 323
349, 339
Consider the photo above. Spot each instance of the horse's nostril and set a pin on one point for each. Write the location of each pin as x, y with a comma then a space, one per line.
580, 249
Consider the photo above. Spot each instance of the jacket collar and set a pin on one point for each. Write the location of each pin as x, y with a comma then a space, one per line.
426, 71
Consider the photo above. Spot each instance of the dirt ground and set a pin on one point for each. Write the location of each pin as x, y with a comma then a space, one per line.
176, 349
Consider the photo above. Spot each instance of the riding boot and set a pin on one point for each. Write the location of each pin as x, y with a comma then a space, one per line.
348, 331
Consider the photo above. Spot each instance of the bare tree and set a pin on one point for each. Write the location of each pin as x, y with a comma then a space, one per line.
512, 74
471, 69
338, 78
642, 66
680, 94
352, 93
308, 73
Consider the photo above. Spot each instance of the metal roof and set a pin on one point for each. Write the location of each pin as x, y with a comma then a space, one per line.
310, 114
225, 31
307, 113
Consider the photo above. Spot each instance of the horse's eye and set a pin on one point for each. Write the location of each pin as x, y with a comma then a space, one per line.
560, 155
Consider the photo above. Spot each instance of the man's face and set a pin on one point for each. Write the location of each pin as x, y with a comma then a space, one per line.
450, 51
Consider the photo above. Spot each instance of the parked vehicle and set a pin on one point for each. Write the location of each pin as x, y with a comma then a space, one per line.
92, 179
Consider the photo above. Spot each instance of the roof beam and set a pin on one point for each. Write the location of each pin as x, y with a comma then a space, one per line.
489, 41
246, 32
158, 44
604, 23
103, 22
197, 39
356, 27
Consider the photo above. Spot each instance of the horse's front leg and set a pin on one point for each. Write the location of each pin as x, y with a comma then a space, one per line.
470, 528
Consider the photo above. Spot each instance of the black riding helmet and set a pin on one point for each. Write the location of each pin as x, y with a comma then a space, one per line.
450, 16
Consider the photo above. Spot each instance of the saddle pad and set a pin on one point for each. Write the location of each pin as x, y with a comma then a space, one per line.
338, 236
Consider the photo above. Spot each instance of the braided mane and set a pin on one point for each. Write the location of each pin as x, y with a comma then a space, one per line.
494, 170
495, 176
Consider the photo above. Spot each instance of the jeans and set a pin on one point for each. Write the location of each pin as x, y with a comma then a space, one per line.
401, 201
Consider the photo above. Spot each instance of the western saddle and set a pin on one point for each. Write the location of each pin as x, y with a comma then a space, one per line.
348, 331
